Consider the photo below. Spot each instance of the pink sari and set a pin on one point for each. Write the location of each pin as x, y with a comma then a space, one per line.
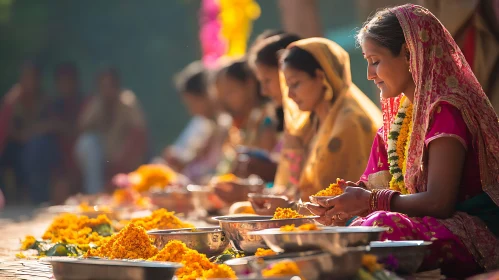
449, 102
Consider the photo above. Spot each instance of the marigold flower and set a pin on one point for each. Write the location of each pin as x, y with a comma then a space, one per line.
77, 230
370, 262
161, 219
28, 242
286, 213
196, 265
260, 252
151, 175
332, 190
132, 242
281, 269
304, 227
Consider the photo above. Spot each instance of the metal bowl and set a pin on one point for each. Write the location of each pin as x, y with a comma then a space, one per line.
100, 269
314, 199
405, 257
237, 228
313, 264
174, 199
210, 241
334, 240
204, 199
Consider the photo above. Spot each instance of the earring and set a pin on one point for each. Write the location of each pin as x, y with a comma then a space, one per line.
328, 91
408, 56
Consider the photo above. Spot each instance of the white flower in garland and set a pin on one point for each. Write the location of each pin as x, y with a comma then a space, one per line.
393, 140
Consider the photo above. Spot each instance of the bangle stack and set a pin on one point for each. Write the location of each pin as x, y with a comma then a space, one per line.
380, 200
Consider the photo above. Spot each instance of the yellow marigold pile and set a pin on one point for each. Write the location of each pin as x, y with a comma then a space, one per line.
73, 229
161, 219
286, 213
132, 242
332, 190
28, 242
130, 197
151, 175
247, 210
304, 227
370, 262
196, 265
282, 269
260, 252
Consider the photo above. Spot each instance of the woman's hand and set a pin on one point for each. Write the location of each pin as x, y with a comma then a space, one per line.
266, 205
337, 210
231, 192
247, 165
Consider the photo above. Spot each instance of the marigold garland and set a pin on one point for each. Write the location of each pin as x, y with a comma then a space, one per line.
398, 142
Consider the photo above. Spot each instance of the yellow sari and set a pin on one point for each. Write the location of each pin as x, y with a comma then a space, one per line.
313, 158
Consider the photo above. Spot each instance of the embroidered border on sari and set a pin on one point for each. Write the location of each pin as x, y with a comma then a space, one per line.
441, 135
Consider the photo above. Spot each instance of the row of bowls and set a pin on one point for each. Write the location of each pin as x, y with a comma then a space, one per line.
335, 250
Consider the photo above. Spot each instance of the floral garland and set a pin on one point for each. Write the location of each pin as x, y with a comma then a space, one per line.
398, 145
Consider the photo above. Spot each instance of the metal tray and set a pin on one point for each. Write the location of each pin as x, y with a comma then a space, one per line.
102, 269
330, 239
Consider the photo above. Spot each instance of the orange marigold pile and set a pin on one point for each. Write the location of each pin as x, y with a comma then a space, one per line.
148, 176
370, 262
282, 269
226, 178
332, 190
126, 197
161, 219
260, 252
196, 265
304, 227
286, 213
28, 242
132, 242
77, 230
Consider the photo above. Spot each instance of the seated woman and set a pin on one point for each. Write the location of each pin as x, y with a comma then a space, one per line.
237, 91
433, 170
113, 133
264, 62
198, 149
328, 120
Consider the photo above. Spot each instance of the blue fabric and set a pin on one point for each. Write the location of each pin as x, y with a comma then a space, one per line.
350, 221
90, 156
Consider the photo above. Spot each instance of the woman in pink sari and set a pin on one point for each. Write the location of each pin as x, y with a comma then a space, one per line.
433, 173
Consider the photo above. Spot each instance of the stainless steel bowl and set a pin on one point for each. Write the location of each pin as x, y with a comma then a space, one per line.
405, 256
313, 264
330, 239
174, 199
102, 269
204, 199
210, 241
237, 228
